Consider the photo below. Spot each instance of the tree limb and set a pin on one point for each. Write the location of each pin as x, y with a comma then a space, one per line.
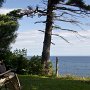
61, 37
40, 22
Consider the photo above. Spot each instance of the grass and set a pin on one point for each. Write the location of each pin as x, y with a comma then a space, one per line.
48, 83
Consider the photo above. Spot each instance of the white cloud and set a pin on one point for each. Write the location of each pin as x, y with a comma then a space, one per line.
33, 42
5, 10
69, 33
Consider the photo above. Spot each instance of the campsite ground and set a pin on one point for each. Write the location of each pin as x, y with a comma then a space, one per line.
52, 83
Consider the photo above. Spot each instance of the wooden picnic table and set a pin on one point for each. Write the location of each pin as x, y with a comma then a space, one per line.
10, 80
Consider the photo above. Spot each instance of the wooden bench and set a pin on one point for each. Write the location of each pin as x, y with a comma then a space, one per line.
9, 80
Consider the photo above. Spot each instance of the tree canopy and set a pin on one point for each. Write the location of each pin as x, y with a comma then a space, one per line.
8, 26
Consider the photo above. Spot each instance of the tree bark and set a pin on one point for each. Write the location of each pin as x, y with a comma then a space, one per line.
47, 38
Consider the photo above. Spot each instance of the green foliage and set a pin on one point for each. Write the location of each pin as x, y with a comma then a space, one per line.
15, 14
45, 83
35, 66
78, 3
48, 68
8, 26
20, 63
22, 52
17, 61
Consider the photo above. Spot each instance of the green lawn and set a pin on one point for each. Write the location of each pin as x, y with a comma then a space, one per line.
43, 83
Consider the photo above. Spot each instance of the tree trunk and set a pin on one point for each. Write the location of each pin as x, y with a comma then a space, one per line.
47, 38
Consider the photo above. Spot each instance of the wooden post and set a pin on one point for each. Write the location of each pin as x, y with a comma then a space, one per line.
56, 66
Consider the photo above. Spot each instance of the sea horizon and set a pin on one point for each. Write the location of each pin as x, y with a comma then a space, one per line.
72, 65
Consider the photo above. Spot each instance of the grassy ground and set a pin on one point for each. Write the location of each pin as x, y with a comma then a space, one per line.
63, 83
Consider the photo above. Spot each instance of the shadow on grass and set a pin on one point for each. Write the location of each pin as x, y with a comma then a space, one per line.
43, 83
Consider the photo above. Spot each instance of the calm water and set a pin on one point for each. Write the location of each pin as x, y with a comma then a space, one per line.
74, 65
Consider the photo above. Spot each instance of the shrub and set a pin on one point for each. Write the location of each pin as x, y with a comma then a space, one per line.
35, 66
17, 61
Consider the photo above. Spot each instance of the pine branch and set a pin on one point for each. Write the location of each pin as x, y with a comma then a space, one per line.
40, 22
58, 27
41, 31
79, 25
76, 11
66, 13
52, 43
70, 20
81, 35
73, 31
56, 35
65, 8
78, 3
61, 37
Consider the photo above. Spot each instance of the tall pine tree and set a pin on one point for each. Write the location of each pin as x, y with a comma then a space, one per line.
69, 7
56, 10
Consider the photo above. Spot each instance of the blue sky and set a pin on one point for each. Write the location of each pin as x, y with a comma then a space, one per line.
30, 38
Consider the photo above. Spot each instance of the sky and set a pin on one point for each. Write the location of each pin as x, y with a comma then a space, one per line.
31, 39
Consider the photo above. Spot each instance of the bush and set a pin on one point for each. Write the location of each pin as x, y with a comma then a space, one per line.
21, 65
17, 61
35, 66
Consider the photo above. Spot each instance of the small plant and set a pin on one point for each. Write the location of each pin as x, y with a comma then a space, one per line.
36, 68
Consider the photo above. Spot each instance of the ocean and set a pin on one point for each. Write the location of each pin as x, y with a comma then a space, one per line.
73, 65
